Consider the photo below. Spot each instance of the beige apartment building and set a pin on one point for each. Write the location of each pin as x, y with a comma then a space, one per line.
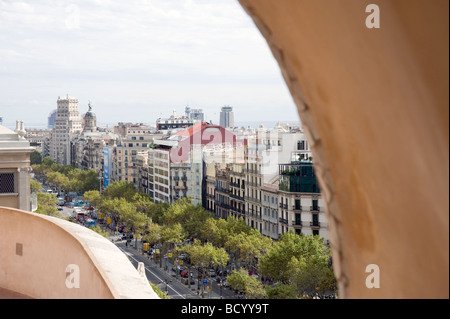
39, 139
138, 139
237, 189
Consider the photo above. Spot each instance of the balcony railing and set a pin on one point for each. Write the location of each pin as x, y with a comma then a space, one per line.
237, 197
297, 223
297, 208
283, 221
223, 205
315, 208
314, 224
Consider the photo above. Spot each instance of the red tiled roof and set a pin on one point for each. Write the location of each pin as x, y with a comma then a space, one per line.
200, 126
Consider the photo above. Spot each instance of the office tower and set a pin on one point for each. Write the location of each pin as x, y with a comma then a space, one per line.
67, 125
227, 116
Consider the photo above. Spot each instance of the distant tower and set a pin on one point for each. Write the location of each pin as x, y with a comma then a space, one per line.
90, 120
51, 119
227, 116
67, 125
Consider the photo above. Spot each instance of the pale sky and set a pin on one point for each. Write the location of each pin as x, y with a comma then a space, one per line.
137, 60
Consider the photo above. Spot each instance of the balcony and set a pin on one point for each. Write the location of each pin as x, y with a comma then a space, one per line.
37, 251
297, 223
237, 197
315, 208
283, 221
299, 208
314, 224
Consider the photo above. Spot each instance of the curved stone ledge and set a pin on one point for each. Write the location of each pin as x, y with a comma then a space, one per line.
46, 257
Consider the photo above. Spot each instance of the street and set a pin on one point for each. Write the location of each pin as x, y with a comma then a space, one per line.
168, 282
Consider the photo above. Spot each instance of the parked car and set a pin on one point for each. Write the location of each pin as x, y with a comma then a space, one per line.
184, 273
212, 273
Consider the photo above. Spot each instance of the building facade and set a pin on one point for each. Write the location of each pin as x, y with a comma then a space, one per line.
67, 126
173, 122
15, 168
138, 139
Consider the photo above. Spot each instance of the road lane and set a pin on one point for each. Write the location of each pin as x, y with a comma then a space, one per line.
175, 289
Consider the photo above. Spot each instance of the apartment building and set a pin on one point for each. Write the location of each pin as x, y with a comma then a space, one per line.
88, 148
143, 171
210, 187
222, 192
269, 203
174, 122
138, 139
161, 170
217, 157
237, 189
266, 150
184, 161
39, 139
301, 207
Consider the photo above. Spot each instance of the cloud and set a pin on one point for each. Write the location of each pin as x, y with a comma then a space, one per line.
150, 52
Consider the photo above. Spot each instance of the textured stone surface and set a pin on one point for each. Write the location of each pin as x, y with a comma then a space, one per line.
374, 104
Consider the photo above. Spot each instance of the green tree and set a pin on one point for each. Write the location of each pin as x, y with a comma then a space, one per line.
143, 203
47, 162
35, 158
205, 256
300, 261
153, 233
58, 179
281, 291
117, 208
121, 189
93, 197
170, 235
35, 186
220, 231
156, 212
47, 204
242, 281
249, 247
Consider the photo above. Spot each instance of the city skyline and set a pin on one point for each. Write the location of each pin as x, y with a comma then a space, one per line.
138, 61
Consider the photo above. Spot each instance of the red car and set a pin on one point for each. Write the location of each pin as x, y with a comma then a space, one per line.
184, 273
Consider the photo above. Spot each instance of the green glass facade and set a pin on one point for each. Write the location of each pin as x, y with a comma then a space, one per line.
298, 177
